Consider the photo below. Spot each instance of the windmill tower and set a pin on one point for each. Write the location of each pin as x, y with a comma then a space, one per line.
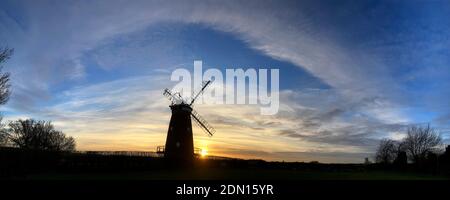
180, 142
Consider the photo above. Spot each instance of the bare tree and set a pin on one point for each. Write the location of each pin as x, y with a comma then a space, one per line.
420, 140
387, 151
5, 54
3, 134
39, 135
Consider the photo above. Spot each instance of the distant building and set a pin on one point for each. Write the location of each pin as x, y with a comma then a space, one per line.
367, 161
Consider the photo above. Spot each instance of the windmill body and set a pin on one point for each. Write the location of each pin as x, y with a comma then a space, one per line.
180, 142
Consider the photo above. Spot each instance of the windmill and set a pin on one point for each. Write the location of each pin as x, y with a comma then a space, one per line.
180, 141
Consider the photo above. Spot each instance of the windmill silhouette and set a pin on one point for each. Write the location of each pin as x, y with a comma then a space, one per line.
180, 142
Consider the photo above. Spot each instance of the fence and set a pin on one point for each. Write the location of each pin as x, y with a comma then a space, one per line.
123, 153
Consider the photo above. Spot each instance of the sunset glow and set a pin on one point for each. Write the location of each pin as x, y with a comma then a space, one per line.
204, 152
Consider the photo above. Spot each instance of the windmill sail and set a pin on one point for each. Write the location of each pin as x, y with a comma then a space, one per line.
175, 98
196, 94
203, 123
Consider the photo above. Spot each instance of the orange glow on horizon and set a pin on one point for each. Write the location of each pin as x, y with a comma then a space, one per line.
204, 152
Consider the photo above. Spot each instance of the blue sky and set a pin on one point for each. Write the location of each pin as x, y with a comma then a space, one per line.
351, 72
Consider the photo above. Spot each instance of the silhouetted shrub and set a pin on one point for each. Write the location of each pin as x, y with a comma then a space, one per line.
38, 135
444, 161
401, 161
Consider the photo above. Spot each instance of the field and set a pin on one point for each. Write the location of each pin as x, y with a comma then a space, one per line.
232, 174
25, 165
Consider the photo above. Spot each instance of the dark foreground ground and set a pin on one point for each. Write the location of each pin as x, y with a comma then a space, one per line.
82, 175
24, 165
231, 174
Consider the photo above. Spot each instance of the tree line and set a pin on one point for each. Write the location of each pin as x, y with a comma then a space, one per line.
28, 134
422, 146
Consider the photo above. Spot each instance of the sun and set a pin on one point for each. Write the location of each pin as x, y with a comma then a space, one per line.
204, 152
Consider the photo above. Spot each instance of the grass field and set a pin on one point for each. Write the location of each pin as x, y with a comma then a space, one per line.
25, 165
234, 174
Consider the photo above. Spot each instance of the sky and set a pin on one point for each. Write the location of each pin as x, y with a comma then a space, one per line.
351, 72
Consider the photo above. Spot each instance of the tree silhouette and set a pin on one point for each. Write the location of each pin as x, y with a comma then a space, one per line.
5, 54
39, 135
419, 141
401, 160
386, 152
3, 134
